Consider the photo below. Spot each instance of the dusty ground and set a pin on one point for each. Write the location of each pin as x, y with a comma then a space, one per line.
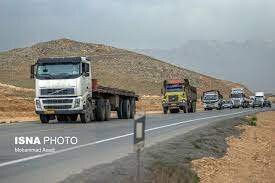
16, 104
250, 158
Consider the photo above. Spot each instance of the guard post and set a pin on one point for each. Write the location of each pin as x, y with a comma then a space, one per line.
139, 138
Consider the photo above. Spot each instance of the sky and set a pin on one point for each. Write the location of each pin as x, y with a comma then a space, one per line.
135, 24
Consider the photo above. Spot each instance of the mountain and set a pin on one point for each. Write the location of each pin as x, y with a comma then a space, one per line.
249, 62
112, 66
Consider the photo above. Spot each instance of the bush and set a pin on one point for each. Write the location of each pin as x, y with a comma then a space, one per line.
252, 121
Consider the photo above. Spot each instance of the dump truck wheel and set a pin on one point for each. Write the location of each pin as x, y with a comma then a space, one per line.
165, 110
100, 110
132, 108
126, 109
107, 110
44, 118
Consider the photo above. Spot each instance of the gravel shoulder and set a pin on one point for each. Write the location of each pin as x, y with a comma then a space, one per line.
249, 158
168, 161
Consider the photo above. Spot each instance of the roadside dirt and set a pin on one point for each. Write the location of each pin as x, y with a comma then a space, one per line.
249, 158
16, 104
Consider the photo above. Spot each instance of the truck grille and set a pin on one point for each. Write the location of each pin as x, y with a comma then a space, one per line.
58, 101
58, 107
173, 98
57, 91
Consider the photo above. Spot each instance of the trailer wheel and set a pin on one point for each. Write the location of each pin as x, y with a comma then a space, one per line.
119, 110
86, 117
107, 110
44, 118
126, 109
100, 110
132, 108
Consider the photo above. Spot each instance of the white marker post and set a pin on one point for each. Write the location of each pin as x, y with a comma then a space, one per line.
139, 138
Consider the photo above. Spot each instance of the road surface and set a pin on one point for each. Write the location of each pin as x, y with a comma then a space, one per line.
97, 143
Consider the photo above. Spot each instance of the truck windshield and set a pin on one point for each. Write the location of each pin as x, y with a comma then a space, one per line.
236, 95
174, 88
210, 97
58, 70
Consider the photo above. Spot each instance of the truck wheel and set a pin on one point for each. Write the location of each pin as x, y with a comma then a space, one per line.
126, 109
44, 118
119, 110
184, 109
107, 110
165, 110
132, 108
86, 117
100, 110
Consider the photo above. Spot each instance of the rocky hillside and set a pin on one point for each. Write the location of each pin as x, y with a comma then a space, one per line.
113, 67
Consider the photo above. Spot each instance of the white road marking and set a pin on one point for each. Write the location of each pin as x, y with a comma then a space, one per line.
113, 138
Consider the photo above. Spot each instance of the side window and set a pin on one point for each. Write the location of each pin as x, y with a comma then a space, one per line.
87, 68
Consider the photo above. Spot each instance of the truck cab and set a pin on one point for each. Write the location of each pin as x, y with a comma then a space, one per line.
212, 100
239, 98
61, 86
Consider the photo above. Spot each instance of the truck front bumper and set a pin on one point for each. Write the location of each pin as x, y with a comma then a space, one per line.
174, 105
52, 106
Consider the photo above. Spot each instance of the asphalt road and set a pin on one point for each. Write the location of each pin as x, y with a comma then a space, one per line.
98, 143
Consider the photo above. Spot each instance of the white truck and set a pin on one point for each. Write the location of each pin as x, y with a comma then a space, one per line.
259, 100
64, 90
238, 98
212, 100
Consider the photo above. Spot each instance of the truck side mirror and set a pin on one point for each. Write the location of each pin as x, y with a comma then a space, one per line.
32, 71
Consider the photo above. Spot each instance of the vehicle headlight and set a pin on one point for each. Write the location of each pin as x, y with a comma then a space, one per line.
38, 104
77, 103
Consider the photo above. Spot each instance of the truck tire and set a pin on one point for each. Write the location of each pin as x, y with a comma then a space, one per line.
119, 110
132, 108
44, 118
126, 109
100, 110
107, 110
165, 110
86, 117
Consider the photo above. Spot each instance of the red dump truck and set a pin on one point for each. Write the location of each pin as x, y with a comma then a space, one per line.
65, 89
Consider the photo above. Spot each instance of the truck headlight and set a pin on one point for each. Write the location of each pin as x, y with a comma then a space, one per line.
38, 104
77, 103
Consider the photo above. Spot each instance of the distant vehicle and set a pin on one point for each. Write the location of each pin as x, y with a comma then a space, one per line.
259, 100
252, 98
212, 100
227, 104
64, 90
178, 95
267, 103
239, 98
